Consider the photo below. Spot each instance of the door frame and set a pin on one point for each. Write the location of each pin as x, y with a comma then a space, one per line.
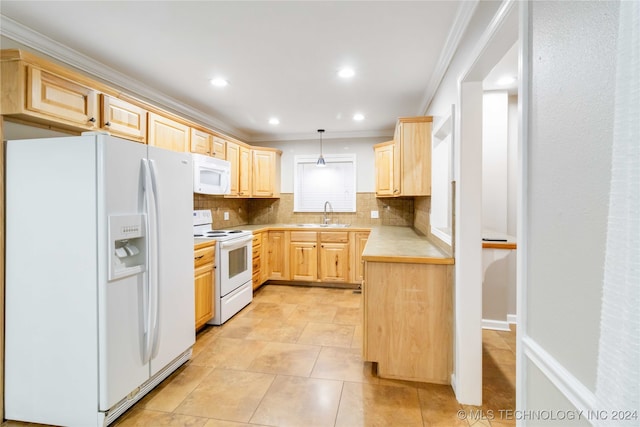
500, 35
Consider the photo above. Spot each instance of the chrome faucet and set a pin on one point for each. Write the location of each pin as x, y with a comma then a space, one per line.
326, 220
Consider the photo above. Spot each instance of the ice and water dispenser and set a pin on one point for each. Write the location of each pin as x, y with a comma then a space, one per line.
127, 245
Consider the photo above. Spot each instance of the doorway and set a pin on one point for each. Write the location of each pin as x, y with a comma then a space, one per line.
497, 40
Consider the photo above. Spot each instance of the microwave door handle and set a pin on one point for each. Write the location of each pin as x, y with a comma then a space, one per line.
225, 181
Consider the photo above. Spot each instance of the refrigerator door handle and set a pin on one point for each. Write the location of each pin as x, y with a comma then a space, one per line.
146, 303
154, 284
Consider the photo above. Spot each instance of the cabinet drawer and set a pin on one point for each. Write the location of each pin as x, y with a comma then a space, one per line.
334, 236
304, 236
257, 239
256, 265
203, 256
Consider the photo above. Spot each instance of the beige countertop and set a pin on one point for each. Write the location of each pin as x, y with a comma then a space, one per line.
492, 239
402, 244
385, 244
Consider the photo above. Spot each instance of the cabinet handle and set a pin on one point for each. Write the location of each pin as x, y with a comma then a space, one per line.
396, 191
108, 124
198, 257
92, 119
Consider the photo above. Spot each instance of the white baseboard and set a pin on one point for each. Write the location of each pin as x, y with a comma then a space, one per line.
512, 319
496, 325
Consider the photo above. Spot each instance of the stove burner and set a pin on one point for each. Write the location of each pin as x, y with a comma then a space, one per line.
234, 231
198, 235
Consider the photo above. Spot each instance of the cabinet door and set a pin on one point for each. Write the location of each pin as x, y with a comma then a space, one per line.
397, 160
219, 148
257, 259
233, 157
61, 99
384, 170
244, 182
304, 261
200, 142
358, 242
416, 158
264, 256
334, 262
264, 163
124, 119
203, 294
167, 133
277, 256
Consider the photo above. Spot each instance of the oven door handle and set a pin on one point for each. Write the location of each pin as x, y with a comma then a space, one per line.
235, 243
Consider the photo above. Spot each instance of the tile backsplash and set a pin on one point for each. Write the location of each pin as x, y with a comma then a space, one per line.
391, 211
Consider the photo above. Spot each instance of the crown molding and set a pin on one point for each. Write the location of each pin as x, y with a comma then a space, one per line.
47, 46
463, 17
272, 137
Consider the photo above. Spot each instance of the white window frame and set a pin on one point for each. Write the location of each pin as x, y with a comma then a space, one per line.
329, 158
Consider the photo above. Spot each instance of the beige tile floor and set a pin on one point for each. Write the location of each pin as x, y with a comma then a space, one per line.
293, 358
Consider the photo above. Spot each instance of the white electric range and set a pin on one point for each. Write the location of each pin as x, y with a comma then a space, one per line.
233, 266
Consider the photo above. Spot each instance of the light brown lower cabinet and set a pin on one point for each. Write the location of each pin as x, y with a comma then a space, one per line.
407, 324
203, 257
278, 255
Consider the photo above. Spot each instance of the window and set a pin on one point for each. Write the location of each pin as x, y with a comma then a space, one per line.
335, 183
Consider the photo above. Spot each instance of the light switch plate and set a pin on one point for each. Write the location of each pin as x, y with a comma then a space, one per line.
226, 216
374, 214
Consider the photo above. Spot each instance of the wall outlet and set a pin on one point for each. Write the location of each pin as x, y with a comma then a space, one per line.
226, 216
374, 214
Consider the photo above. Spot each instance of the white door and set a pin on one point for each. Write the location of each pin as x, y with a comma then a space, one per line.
120, 311
176, 305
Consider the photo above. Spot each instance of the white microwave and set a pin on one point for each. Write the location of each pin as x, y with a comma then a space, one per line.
211, 175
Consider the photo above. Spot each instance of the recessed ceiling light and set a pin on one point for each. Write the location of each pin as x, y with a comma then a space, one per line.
274, 121
346, 73
219, 82
358, 117
506, 80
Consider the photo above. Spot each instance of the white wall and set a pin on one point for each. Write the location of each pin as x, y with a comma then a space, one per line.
361, 147
495, 167
568, 156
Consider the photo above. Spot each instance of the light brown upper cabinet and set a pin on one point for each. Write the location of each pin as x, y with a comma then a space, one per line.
200, 142
411, 172
123, 119
240, 158
266, 173
167, 133
41, 96
384, 168
219, 148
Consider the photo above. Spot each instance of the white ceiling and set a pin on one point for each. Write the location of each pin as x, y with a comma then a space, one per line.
281, 58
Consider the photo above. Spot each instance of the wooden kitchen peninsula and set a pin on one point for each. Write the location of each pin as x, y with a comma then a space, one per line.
407, 306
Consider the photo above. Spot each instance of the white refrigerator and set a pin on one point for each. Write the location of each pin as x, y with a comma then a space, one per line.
99, 276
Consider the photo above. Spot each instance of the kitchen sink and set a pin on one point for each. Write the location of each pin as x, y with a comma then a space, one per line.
323, 225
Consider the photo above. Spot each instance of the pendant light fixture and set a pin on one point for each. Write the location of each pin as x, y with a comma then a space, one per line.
320, 162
